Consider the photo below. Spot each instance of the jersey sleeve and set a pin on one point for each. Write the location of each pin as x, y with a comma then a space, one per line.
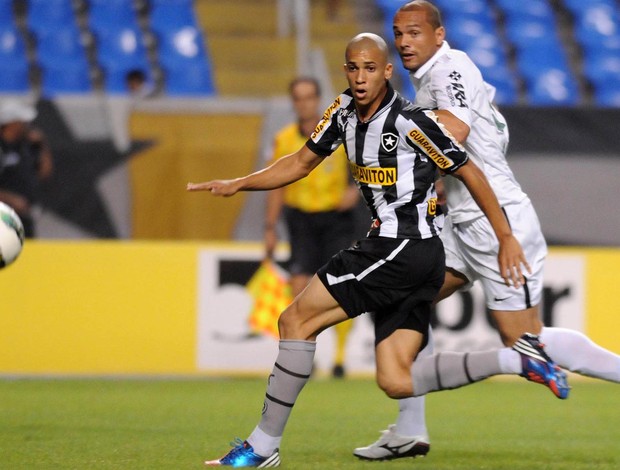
435, 142
450, 86
326, 136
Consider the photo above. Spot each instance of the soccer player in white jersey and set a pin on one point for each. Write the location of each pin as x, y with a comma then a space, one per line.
394, 151
447, 81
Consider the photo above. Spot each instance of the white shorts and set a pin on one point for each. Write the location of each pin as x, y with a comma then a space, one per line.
472, 248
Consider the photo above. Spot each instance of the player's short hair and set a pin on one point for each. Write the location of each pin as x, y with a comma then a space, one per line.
313, 81
433, 15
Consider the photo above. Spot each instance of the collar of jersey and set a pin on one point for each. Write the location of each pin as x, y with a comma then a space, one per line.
418, 74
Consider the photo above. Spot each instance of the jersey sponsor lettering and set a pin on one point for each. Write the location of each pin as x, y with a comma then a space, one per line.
459, 94
372, 175
325, 120
456, 91
424, 143
432, 206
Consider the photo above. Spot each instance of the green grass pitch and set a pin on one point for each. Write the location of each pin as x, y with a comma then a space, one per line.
175, 424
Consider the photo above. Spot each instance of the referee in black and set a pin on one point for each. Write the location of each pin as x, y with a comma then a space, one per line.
395, 152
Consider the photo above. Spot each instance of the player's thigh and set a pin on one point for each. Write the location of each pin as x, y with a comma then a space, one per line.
312, 311
453, 281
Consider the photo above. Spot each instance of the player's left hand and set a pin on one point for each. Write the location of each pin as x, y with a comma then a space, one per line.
511, 261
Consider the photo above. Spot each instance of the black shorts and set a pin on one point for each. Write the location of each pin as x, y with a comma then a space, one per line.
395, 279
315, 237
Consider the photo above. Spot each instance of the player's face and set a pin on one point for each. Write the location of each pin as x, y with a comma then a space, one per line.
367, 71
415, 38
305, 101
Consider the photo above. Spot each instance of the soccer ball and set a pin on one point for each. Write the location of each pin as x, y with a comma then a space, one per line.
11, 235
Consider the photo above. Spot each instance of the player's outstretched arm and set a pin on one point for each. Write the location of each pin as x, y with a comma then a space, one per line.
283, 171
511, 257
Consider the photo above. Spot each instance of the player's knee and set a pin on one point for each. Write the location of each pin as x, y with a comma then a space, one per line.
395, 387
287, 324
292, 326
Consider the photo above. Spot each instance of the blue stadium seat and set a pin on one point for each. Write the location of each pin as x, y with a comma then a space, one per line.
597, 23
14, 69
60, 45
469, 31
503, 80
112, 14
576, 7
533, 60
524, 32
180, 45
14, 76
536, 9
6, 13
45, 15
119, 51
191, 79
607, 94
12, 46
121, 45
552, 87
487, 58
463, 7
596, 44
601, 67
168, 15
70, 77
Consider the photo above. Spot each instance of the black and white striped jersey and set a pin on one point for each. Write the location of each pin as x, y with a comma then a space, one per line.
394, 157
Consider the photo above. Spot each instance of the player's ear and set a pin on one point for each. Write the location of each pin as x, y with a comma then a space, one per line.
388, 71
440, 35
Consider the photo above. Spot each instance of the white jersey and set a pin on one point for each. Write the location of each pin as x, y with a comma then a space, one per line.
452, 82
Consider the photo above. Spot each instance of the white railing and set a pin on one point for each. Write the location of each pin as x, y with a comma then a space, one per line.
297, 13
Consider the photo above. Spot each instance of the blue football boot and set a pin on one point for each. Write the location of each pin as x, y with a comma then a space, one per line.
242, 455
538, 366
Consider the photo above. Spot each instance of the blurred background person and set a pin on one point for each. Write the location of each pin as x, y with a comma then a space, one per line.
318, 210
25, 160
138, 84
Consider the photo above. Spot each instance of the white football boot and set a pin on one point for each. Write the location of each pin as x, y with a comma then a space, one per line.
394, 446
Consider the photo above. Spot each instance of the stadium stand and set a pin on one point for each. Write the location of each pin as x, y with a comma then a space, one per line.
94, 43
119, 50
180, 47
523, 52
529, 54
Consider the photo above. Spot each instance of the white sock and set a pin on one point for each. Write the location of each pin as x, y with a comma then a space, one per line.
576, 352
411, 419
510, 361
262, 443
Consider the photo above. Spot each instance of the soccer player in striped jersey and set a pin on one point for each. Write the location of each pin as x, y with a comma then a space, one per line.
395, 152
449, 82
